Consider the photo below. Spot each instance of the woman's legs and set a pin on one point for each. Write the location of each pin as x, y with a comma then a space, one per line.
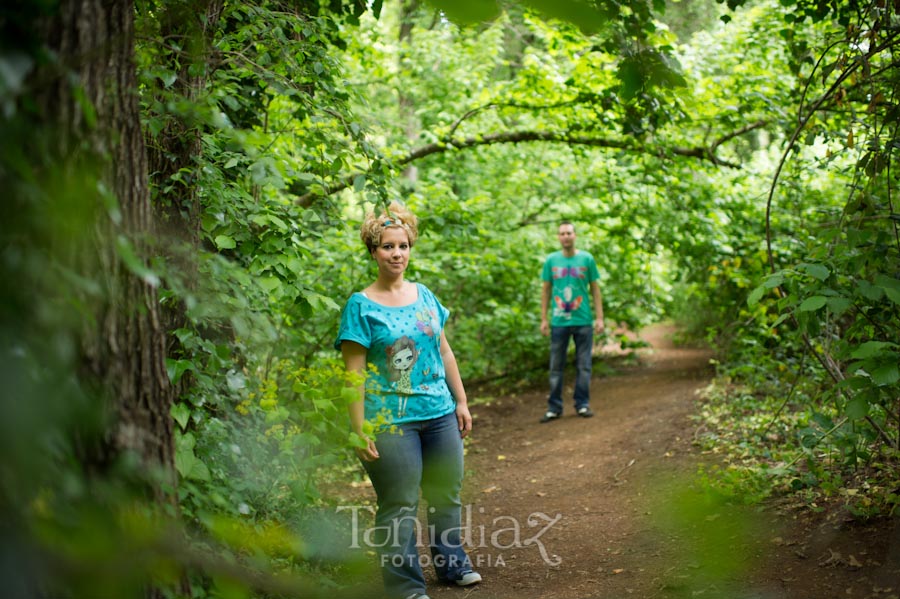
442, 474
427, 454
396, 477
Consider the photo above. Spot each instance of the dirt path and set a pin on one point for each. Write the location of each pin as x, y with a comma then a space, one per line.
604, 508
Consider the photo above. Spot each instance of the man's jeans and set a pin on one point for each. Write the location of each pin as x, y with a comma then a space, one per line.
559, 347
429, 454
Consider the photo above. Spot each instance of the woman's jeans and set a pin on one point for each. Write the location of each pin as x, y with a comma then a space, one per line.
559, 347
429, 454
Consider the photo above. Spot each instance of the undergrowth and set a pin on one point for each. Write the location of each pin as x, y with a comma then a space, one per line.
766, 446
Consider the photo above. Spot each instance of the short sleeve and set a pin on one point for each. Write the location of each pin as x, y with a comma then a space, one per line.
431, 300
546, 271
354, 326
443, 313
593, 271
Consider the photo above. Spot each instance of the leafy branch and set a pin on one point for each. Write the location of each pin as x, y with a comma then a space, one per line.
707, 153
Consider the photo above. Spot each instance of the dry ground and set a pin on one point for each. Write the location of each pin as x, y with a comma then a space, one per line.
608, 508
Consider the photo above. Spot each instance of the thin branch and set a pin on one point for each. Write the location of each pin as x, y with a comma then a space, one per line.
789, 395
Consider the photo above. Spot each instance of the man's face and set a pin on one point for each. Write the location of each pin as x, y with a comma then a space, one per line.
567, 236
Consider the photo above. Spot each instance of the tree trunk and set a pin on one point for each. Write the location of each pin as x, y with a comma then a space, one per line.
177, 148
411, 125
91, 99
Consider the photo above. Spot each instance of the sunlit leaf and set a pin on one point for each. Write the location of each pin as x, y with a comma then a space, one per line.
225, 242
813, 303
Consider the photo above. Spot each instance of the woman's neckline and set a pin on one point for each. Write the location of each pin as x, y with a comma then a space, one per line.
406, 305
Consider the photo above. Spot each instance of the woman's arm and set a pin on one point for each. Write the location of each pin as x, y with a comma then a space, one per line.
355, 360
454, 382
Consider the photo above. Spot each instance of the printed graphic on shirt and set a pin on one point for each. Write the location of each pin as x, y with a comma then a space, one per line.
427, 321
575, 272
401, 356
565, 304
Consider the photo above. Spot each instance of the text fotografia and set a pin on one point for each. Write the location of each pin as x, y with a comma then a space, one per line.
503, 534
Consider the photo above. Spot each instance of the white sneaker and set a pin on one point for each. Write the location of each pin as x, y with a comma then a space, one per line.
469, 578
550, 416
418, 596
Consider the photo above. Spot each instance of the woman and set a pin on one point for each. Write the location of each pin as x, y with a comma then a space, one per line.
392, 332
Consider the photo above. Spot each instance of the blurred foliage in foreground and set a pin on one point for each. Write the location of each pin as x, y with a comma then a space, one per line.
737, 179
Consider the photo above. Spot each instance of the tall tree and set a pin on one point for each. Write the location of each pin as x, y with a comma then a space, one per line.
89, 97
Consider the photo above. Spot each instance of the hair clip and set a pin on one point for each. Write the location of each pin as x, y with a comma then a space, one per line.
387, 223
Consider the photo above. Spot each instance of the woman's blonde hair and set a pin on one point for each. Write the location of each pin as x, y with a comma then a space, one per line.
396, 215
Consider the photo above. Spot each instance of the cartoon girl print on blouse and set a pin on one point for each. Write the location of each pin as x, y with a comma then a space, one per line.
401, 355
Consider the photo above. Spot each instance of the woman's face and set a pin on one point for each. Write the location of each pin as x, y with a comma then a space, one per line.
392, 254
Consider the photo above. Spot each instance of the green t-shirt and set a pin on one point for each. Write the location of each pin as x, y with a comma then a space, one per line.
571, 278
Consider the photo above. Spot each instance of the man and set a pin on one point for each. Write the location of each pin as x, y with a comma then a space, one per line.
568, 275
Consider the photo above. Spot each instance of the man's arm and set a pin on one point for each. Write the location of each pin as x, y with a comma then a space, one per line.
598, 307
545, 306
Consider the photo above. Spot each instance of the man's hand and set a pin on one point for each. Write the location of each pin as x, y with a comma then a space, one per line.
545, 328
599, 327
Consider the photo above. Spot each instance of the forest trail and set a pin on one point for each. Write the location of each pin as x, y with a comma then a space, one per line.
604, 508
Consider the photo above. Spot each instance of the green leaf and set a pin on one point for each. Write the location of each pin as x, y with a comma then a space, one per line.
774, 280
818, 271
857, 408
839, 305
891, 287
468, 11
359, 182
225, 242
270, 284
871, 349
893, 295
187, 464
632, 78
357, 441
869, 291
755, 296
181, 413
349, 395
887, 374
177, 368
811, 304
886, 282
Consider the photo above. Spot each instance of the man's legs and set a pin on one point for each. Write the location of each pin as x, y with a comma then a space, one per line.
559, 345
584, 345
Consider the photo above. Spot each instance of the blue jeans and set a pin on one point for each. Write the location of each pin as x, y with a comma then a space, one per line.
426, 454
559, 347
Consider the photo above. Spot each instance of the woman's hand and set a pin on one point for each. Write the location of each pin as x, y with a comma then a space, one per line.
370, 452
464, 419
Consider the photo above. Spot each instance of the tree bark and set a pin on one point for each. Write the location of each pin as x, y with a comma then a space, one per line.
90, 96
411, 127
